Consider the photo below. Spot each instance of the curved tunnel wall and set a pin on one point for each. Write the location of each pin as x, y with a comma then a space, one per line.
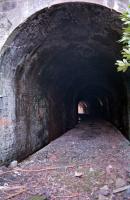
67, 53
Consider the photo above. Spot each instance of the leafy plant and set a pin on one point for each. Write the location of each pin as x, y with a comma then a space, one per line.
125, 40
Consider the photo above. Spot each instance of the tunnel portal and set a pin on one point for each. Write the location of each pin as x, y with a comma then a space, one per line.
67, 54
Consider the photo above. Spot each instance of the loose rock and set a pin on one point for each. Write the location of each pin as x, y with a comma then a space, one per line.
120, 182
91, 169
127, 194
102, 197
13, 164
105, 190
78, 174
109, 169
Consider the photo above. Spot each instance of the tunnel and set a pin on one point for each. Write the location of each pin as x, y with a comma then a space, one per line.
58, 57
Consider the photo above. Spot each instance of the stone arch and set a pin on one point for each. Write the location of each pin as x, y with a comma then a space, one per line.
58, 55
23, 10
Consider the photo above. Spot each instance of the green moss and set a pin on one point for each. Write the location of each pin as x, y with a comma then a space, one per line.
38, 197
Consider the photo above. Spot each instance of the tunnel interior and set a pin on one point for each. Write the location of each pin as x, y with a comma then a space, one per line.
69, 57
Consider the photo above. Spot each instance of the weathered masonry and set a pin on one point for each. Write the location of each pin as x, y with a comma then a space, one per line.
61, 55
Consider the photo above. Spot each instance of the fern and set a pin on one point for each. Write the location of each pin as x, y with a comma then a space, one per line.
122, 65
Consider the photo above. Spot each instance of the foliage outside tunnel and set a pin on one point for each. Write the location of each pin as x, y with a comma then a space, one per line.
125, 40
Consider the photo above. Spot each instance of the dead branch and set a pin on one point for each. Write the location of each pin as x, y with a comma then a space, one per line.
121, 189
39, 170
2, 173
43, 169
69, 196
7, 188
16, 194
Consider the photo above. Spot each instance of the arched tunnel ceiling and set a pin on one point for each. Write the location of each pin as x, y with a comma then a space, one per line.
66, 26
22, 10
76, 43
66, 48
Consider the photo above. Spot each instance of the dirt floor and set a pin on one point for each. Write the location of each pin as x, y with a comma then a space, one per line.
87, 163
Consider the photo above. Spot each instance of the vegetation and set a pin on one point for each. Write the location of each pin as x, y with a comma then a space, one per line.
125, 40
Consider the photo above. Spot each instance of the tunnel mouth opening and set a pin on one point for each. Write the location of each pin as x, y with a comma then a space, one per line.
67, 56
100, 103
83, 111
76, 62
92, 109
